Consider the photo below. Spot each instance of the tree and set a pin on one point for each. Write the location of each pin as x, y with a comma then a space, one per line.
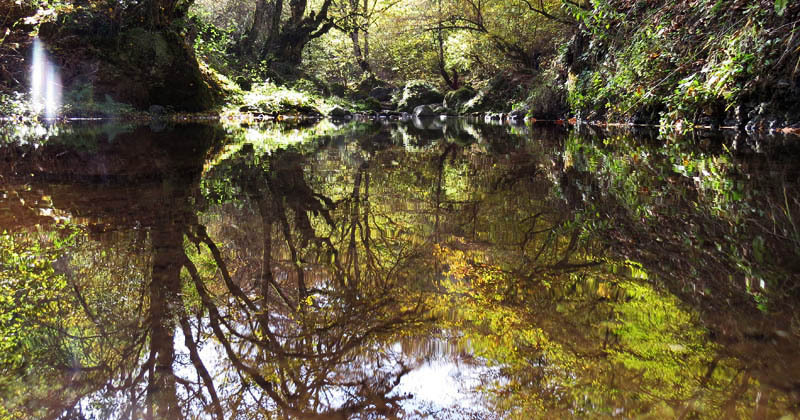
357, 19
275, 39
508, 26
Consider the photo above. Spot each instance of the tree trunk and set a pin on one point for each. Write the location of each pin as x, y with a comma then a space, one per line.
158, 14
367, 15
360, 21
287, 48
360, 54
259, 29
451, 82
366, 46
285, 40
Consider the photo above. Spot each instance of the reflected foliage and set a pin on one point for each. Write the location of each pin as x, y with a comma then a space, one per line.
188, 273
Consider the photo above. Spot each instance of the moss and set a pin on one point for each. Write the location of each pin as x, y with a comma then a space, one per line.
135, 66
415, 93
498, 94
547, 98
267, 98
456, 99
683, 60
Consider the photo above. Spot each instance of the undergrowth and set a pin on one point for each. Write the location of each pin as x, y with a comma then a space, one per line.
684, 60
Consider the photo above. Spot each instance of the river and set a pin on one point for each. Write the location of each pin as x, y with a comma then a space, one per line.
428, 269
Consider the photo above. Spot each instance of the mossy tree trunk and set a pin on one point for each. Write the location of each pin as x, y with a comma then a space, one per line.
159, 14
275, 40
265, 26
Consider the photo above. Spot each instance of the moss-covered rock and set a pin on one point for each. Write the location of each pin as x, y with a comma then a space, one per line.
416, 93
440, 110
455, 99
136, 66
372, 104
368, 84
423, 111
337, 89
499, 94
547, 98
339, 113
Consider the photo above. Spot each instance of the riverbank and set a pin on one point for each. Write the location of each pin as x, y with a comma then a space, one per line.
676, 65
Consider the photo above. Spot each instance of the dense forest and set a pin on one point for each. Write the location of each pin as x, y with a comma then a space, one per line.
684, 63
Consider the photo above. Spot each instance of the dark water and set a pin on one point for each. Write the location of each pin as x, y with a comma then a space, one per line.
429, 270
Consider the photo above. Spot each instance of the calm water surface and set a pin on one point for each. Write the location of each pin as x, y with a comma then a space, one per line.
414, 270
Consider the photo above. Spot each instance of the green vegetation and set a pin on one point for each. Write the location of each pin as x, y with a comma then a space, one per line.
701, 62
724, 62
275, 263
566, 274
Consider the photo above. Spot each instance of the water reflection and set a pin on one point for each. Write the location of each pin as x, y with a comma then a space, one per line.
376, 270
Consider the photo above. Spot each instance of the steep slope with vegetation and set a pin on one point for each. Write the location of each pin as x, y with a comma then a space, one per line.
700, 61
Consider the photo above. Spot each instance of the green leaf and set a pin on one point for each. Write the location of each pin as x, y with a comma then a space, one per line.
780, 6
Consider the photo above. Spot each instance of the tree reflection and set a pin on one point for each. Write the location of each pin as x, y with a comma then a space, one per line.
197, 282
279, 349
304, 343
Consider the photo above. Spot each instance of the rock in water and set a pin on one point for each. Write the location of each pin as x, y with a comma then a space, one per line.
339, 113
423, 111
416, 93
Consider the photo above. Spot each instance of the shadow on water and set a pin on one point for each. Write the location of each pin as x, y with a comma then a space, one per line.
384, 269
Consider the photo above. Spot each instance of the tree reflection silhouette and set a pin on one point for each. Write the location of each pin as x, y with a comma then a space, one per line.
187, 278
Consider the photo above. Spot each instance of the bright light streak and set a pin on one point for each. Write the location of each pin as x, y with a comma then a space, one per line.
52, 99
37, 75
45, 83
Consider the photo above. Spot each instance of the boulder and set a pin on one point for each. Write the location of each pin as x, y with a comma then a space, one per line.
339, 113
112, 66
416, 93
337, 89
455, 99
382, 94
423, 111
494, 96
370, 84
441, 110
